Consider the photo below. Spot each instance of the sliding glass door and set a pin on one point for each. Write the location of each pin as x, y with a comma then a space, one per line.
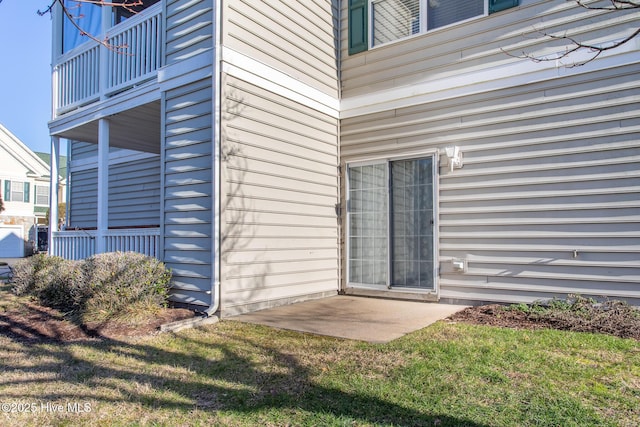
390, 224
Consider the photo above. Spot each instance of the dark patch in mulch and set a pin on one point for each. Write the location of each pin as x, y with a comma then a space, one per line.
612, 318
496, 315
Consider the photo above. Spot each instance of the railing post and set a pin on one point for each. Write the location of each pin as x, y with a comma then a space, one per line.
103, 185
103, 68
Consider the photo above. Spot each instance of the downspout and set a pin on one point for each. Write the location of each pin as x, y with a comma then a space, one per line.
342, 206
217, 132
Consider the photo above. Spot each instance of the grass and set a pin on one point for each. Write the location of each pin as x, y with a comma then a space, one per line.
245, 375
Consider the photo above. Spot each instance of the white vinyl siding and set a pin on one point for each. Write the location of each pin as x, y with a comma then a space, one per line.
477, 45
547, 201
296, 38
279, 190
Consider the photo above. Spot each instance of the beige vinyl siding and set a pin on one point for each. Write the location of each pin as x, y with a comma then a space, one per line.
279, 227
548, 200
189, 29
296, 38
188, 191
479, 44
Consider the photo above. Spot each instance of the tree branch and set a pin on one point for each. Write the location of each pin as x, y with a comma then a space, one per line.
575, 45
615, 5
128, 5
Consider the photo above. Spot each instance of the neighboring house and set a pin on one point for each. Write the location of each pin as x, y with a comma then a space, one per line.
271, 152
25, 183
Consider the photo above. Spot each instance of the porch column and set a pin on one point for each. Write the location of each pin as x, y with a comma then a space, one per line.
103, 185
53, 192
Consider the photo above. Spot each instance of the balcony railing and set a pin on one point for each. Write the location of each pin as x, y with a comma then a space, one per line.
77, 244
80, 244
86, 74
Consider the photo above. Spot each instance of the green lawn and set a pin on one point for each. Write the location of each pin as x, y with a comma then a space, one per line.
239, 374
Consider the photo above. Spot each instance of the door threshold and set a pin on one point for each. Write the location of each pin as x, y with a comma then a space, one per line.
393, 294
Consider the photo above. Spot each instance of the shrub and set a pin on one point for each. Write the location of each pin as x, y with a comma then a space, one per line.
54, 281
124, 285
119, 285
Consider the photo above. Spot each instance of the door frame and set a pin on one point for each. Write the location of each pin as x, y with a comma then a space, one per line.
385, 290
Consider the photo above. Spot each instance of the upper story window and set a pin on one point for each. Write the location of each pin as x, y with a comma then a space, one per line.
375, 22
42, 195
121, 14
89, 17
16, 191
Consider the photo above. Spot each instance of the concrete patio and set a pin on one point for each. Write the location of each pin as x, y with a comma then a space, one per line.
359, 318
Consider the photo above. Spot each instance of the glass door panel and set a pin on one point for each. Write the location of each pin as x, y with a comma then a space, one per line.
412, 223
368, 219
390, 219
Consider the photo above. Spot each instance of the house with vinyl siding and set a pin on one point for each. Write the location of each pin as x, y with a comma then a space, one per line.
24, 182
276, 151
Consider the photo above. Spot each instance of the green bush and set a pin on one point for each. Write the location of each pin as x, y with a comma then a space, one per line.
116, 285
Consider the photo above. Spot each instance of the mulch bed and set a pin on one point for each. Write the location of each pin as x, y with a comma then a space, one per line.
32, 322
612, 318
29, 321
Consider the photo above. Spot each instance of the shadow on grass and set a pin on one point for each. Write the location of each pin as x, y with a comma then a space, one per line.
230, 373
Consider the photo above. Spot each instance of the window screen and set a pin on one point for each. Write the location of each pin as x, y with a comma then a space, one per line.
42, 195
394, 19
445, 12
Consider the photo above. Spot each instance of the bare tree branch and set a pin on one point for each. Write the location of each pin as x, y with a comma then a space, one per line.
128, 5
575, 45
615, 5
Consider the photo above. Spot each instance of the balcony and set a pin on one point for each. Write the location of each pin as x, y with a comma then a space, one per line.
92, 72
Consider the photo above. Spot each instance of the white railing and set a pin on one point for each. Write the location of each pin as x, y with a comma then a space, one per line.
76, 244
142, 240
76, 79
80, 244
139, 61
133, 55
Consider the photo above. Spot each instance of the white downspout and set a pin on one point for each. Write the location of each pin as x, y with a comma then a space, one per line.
217, 132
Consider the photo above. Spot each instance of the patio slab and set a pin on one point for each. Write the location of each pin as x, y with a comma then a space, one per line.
373, 320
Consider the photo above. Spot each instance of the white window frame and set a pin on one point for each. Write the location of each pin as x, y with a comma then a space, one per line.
12, 191
423, 23
434, 154
45, 190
